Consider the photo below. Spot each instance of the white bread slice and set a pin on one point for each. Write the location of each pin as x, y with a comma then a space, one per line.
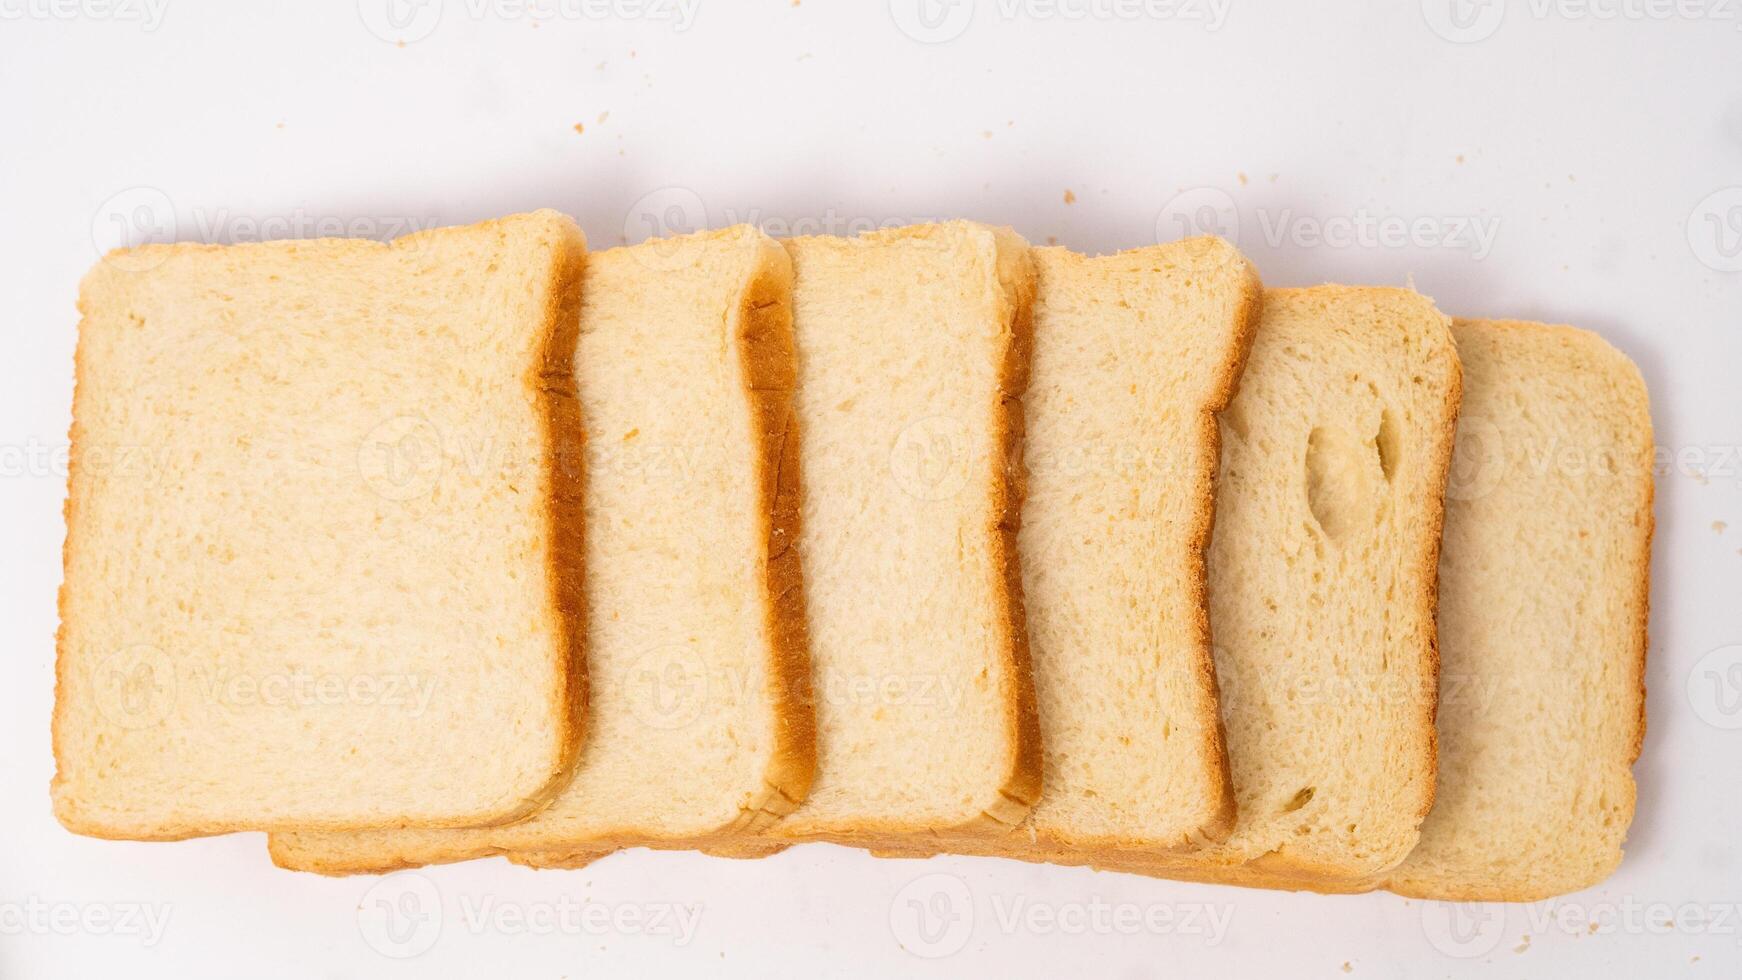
1322, 588
319, 517
1543, 582
913, 349
1134, 354
701, 726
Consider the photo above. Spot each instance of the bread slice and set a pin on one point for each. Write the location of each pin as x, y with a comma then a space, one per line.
913, 349
1543, 582
1322, 588
318, 567
702, 728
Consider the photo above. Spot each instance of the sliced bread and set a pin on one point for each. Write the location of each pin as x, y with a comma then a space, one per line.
701, 726
1322, 588
1543, 582
319, 567
913, 350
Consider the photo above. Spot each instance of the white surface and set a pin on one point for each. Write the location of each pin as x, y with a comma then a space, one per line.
1587, 146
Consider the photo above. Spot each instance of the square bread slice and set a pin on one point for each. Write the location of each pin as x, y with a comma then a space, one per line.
319, 567
1543, 581
913, 350
1134, 354
1322, 587
700, 728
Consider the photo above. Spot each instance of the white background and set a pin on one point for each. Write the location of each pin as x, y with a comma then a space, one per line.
1545, 162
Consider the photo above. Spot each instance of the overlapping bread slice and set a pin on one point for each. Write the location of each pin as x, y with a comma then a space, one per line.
1322, 588
1543, 582
318, 565
701, 728
1134, 354
913, 349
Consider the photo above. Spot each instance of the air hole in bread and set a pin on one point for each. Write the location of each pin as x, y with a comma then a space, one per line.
1342, 480
1389, 444
1299, 799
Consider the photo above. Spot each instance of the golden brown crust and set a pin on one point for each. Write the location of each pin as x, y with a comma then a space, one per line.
770, 376
556, 860
1022, 785
565, 475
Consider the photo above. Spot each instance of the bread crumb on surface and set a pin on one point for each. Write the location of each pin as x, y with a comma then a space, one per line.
1242, 177
1052, 240
1460, 158
1719, 526
604, 116
1070, 198
985, 134
580, 128
1347, 968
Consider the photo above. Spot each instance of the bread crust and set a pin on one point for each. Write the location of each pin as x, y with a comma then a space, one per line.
770, 378
1022, 784
559, 429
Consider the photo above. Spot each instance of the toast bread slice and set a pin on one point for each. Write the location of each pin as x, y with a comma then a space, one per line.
913, 350
1543, 601
317, 567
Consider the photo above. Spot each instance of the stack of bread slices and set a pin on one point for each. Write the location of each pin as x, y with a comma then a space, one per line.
922, 541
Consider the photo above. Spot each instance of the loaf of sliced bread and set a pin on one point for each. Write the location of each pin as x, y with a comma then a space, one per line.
1543, 581
913, 351
319, 567
701, 728
1322, 588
